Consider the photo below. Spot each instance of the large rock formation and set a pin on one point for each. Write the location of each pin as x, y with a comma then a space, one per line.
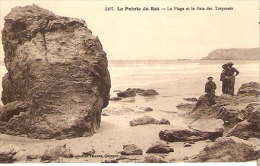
57, 73
233, 54
240, 113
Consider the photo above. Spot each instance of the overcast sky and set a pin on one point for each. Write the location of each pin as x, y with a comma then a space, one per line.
159, 34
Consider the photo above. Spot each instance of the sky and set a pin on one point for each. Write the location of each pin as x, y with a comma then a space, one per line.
164, 34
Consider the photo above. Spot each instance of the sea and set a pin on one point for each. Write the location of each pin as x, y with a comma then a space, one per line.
172, 79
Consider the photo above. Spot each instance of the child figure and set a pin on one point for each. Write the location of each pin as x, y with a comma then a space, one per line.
210, 88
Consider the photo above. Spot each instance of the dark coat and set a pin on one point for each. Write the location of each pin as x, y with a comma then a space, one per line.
231, 71
210, 85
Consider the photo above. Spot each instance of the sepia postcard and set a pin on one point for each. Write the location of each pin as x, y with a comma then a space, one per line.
129, 82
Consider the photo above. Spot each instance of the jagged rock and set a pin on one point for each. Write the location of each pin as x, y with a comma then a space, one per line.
59, 68
254, 118
232, 115
193, 99
189, 135
240, 113
228, 149
154, 159
7, 153
115, 98
54, 154
229, 114
248, 128
149, 92
148, 120
202, 111
242, 130
207, 125
11, 109
131, 149
160, 148
148, 109
228, 107
249, 88
202, 103
186, 106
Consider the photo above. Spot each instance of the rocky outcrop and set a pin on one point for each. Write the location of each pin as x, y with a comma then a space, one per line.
59, 69
131, 149
233, 54
228, 149
248, 128
148, 120
7, 153
240, 113
249, 88
53, 154
189, 135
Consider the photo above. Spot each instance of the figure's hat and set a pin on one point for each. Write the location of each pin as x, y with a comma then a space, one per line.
230, 63
224, 66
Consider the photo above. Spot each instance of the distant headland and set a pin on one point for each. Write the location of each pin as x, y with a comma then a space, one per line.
233, 54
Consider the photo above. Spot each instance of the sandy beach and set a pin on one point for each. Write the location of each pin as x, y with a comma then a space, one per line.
114, 132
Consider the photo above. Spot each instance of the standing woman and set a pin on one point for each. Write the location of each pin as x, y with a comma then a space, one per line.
231, 77
223, 78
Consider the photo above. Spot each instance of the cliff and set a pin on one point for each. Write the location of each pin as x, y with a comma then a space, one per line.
57, 82
233, 54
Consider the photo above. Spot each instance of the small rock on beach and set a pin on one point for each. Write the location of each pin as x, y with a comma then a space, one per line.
131, 149
160, 148
148, 120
